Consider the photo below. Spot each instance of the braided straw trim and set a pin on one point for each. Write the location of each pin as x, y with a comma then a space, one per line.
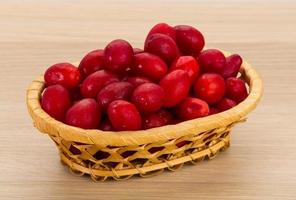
120, 155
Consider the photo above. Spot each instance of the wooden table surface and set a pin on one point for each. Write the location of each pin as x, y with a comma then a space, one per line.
261, 164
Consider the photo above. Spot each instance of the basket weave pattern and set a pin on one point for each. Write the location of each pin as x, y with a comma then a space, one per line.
121, 155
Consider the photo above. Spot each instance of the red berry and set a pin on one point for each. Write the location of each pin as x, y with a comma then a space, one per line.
162, 46
176, 86
150, 66
163, 28
56, 101
118, 56
188, 64
157, 119
214, 110
236, 89
210, 88
225, 104
212, 60
92, 85
148, 97
106, 126
191, 108
86, 114
138, 50
136, 80
124, 116
189, 40
64, 74
91, 62
233, 64
114, 91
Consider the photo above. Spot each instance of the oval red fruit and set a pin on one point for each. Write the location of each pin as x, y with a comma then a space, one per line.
188, 64
214, 110
210, 88
236, 89
137, 50
190, 41
176, 86
225, 104
92, 85
148, 97
56, 101
163, 28
191, 108
233, 64
86, 114
150, 66
157, 119
124, 116
136, 80
118, 56
212, 60
92, 62
64, 74
106, 125
162, 46
114, 91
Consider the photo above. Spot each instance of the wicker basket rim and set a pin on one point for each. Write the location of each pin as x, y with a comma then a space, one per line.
49, 125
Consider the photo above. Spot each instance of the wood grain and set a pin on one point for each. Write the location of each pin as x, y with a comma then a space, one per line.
259, 165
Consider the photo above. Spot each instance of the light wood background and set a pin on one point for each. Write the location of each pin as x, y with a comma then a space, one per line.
261, 164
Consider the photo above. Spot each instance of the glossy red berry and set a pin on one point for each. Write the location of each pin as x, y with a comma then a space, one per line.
136, 80
92, 62
225, 104
148, 97
236, 89
138, 50
233, 64
124, 116
210, 87
114, 91
190, 41
176, 86
106, 125
191, 108
118, 56
64, 74
157, 119
163, 28
162, 46
86, 114
188, 64
214, 110
56, 101
150, 66
92, 85
212, 60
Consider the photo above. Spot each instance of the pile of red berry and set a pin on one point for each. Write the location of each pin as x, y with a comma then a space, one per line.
124, 88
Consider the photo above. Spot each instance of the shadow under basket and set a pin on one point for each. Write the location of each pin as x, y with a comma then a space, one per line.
120, 155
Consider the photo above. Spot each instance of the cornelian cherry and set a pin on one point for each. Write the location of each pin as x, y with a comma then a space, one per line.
225, 104
148, 97
163, 28
162, 46
114, 91
188, 64
190, 41
136, 80
118, 56
124, 116
233, 64
214, 110
92, 85
106, 125
56, 101
236, 89
138, 50
150, 66
210, 88
64, 74
86, 114
176, 85
157, 119
91, 62
212, 60
191, 108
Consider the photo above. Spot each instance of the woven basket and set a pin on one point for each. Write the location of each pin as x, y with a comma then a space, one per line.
121, 155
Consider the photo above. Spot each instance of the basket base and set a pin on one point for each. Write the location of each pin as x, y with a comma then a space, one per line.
172, 164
